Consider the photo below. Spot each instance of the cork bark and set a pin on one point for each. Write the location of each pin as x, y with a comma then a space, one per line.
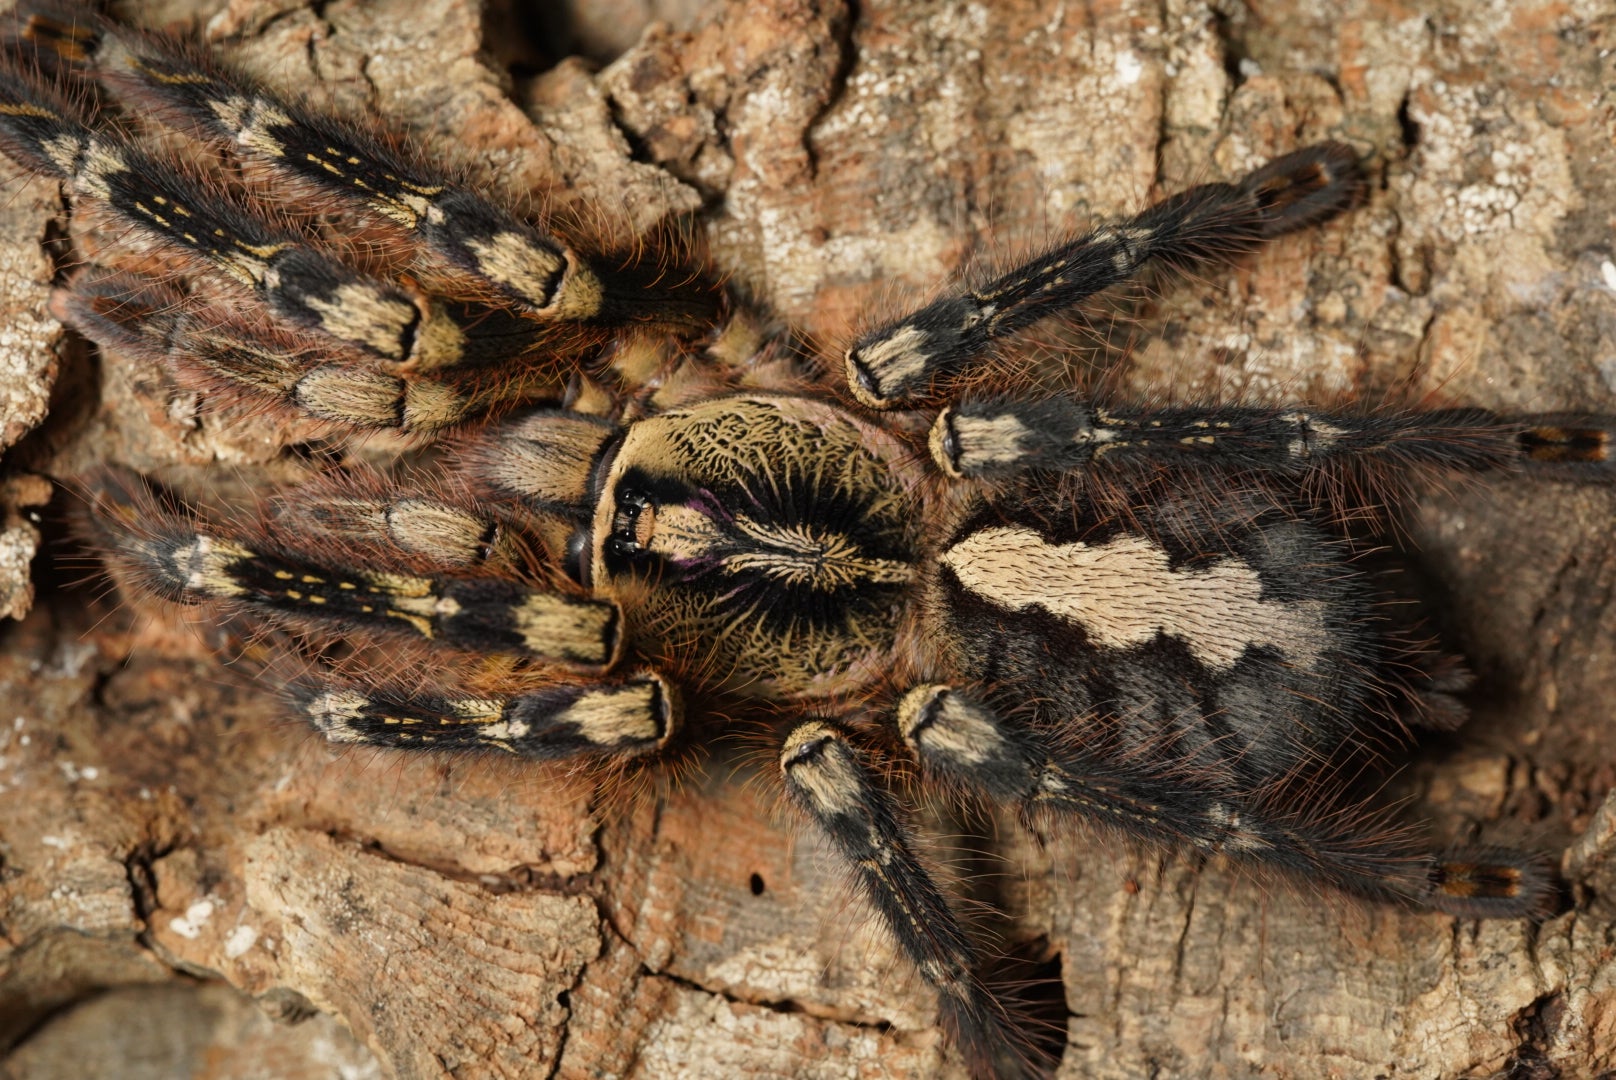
190, 884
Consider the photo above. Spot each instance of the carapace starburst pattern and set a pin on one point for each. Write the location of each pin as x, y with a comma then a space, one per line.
652, 518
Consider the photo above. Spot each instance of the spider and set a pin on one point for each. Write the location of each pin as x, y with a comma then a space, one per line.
659, 518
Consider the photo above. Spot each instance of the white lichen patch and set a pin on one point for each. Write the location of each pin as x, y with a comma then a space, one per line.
1091, 172
240, 940
28, 363
190, 924
18, 545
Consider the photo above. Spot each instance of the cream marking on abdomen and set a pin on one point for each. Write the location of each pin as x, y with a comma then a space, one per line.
1125, 592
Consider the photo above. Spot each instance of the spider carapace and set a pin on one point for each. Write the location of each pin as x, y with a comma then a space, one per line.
647, 516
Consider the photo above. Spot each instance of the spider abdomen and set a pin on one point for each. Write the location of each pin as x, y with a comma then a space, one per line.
1231, 639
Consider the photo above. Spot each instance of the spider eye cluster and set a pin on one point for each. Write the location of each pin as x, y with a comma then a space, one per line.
632, 524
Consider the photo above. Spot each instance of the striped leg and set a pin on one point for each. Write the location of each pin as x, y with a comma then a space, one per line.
1004, 437
899, 365
956, 736
618, 718
295, 279
828, 782
507, 261
354, 561
430, 570
241, 361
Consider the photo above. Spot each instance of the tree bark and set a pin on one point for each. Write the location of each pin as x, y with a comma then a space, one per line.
171, 846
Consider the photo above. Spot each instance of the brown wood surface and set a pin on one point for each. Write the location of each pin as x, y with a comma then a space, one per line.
171, 846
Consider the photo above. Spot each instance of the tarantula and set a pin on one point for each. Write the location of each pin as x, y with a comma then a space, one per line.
655, 518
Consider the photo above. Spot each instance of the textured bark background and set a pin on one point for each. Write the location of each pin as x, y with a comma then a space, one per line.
181, 868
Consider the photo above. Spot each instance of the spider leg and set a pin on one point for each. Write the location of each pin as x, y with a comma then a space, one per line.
828, 782
618, 719
539, 534
898, 364
512, 262
403, 567
955, 735
997, 438
545, 459
295, 279
395, 567
155, 319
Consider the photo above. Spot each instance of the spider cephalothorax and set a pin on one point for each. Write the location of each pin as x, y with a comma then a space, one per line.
771, 540
654, 520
